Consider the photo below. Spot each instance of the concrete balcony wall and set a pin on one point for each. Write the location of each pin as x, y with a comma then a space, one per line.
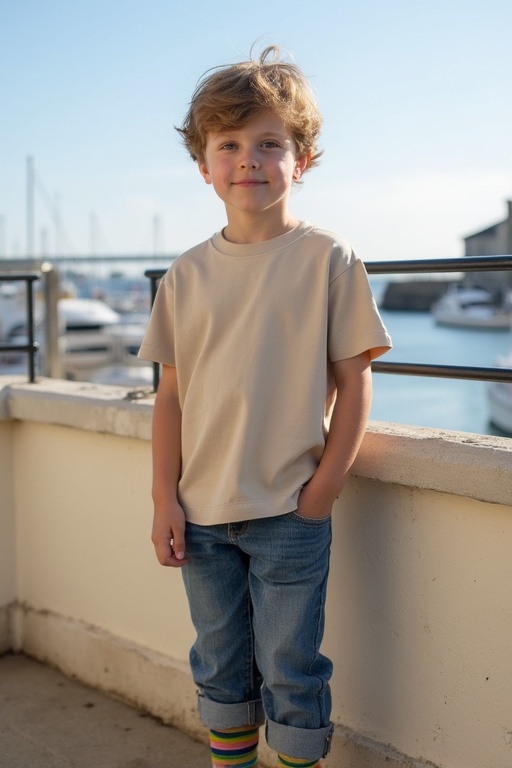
419, 613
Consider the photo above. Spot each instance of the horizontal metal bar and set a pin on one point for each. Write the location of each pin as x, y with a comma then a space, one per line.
10, 277
444, 371
19, 347
464, 264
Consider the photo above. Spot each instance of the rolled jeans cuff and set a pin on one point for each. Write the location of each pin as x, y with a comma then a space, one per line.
215, 714
305, 743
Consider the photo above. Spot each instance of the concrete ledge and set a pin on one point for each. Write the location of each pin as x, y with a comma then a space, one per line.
156, 683
459, 463
93, 407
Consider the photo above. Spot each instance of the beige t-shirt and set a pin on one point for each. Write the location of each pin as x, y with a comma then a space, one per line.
251, 330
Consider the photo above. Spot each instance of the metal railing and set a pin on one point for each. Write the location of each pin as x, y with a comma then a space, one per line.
412, 266
30, 347
464, 264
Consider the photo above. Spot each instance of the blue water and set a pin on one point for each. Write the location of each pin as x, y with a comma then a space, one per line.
435, 402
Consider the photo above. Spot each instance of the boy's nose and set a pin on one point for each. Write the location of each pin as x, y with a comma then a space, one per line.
249, 161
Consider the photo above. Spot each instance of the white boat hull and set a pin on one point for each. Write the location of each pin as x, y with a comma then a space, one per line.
499, 395
471, 308
92, 336
473, 320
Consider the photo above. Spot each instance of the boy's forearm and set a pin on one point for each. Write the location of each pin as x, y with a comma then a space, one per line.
347, 429
168, 531
348, 425
166, 441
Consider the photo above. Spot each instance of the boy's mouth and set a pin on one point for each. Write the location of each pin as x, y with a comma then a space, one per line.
248, 183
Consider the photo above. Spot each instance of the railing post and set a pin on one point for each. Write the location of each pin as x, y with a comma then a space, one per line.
154, 277
31, 341
52, 360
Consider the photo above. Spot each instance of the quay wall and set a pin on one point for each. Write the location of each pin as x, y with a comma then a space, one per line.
413, 295
419, 611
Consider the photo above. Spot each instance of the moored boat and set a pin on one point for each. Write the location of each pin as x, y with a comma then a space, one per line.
499, 396
92, 336
464, 307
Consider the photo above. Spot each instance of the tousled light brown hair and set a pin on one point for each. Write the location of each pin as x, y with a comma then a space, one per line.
227, 97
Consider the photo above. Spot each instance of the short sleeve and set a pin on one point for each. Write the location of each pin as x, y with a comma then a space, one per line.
355, 324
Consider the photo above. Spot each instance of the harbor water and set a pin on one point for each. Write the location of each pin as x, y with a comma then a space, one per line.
452, 404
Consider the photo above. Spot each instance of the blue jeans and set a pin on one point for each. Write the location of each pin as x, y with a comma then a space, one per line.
257, 596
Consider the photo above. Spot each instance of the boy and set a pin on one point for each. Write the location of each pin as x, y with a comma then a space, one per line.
265, 333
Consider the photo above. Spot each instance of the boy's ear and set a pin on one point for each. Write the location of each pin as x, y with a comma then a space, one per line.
301, 165
203, 170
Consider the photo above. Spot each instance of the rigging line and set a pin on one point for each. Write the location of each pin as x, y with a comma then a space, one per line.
53, 211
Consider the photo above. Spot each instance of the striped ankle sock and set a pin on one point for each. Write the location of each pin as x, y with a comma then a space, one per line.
236, 747
283, 761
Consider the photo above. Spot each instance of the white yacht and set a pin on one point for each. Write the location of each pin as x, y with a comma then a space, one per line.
465, 307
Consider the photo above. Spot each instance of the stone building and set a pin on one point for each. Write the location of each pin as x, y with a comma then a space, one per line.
495, 240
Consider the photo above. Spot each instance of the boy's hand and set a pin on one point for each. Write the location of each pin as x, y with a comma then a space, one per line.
168, 535
314, 503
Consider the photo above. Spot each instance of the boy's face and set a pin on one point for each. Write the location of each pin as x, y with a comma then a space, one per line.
252, 168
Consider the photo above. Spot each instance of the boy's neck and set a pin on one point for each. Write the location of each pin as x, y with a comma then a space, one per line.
256, 229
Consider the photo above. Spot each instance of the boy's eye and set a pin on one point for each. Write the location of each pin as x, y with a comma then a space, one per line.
229, 145
269, 144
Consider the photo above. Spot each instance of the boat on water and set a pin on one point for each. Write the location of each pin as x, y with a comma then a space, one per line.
92, 337
95, 337
465, 307
499, 397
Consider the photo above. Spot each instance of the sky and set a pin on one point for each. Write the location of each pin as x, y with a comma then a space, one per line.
416, 100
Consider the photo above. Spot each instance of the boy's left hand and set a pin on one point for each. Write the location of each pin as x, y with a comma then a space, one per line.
312, 503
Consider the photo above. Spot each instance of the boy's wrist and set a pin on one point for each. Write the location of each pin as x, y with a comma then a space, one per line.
325, 489
165, 496
317, 499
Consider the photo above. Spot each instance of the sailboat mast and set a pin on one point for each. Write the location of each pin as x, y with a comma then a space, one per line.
30, 208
